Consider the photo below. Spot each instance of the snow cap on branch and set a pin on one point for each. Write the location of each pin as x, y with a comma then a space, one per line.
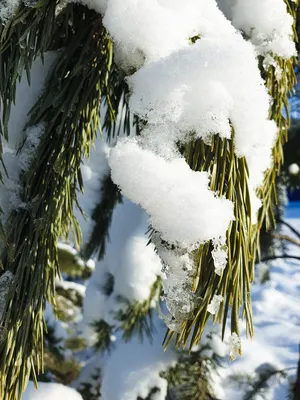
266, 22
178, 200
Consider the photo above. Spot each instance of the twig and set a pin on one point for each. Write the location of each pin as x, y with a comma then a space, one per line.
281, 221
269, 258
296, 394
285, 237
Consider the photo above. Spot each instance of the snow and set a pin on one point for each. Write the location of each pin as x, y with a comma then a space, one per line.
266, 22
156, 28
185, 91
66, 285
68, 248
90, 373
276, 320
173, 195
219, 255
235, 346
132, 264
26, 96
6, 281
59, 328
172, 75
50, 391
169, 95
214, 305
7, 9
177, 284
93, 170
137, 366
18, 152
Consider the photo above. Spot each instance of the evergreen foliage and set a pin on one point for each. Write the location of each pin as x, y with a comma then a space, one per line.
70, 114
229, 178
190, 379
102, 215
137, 317
258, 386
84, 77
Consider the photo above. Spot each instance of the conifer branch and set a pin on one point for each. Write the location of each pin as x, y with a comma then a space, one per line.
284, 256
260, 384
137, 317
102, 215
296, 386
104, 333
190, 378
280, 87
229, 178
23, 38
290, 227
69, 109
286, 238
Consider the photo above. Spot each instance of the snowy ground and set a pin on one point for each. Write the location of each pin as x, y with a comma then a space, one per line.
276, 315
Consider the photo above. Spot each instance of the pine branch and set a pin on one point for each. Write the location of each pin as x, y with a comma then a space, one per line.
104, 333
152, 394
24, 37
285, 237
136, 318
52, 343
71, 264
290, 227
91, 391
102, 215
296, 388
229, 178
190, 378
121, 121
260, 384
284, 256
69, 109
279, 89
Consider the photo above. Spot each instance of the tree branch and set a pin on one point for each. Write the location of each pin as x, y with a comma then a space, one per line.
281, 221
269, 258
285, 237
